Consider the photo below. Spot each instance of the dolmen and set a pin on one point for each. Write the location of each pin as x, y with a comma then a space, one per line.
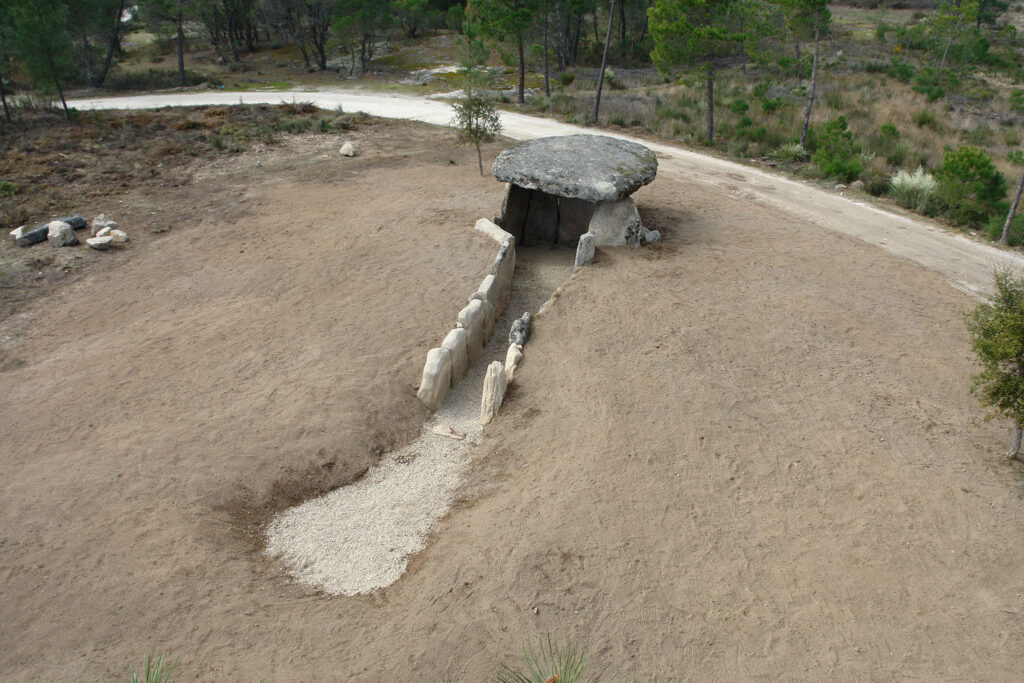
562, 187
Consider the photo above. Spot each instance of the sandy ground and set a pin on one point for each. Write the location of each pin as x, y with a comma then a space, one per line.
747, 453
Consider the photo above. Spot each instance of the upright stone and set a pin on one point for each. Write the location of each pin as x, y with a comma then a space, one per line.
495, 385
512, 358
613, 221
573, 219
584, 251
455, 342
471, 319
541, 226
513, 210
436, 382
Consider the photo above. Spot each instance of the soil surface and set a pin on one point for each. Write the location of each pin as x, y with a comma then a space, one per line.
748, 452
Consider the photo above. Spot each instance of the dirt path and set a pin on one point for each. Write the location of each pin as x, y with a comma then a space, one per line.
966, 263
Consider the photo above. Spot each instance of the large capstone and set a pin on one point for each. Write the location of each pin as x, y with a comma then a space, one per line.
595, 168
560, 188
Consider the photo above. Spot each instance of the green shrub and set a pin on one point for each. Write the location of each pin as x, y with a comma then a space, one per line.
994, 229
875, 176
923, 118
900, 70
739, 106
980, 135
789, 152
566, 77
970, 187
770, 105
1016, 157
835, 155
549, 661
157, 671
1017, 101
7, 189
933, 83
155, 79
914, 191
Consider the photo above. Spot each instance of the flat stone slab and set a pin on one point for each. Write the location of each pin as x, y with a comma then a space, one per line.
595, 168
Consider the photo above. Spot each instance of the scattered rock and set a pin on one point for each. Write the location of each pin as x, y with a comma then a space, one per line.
101, 243
26, 237
445, 430
61, 234
99, 223
512, 358
436, 382
456, 344
584, 251
520, 330
857, 185
840, 187
103, 232
495, 385
120, 236
592, 167
347, 150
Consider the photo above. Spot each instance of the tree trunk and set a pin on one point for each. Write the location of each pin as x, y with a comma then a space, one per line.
814, 85
949, 42
622, 29
90, 77
3, 98
180, 20
64, 102
547, 70
1005, 239
115, 41
604, 59
479, 159
711, 103
1014, 451
522, 67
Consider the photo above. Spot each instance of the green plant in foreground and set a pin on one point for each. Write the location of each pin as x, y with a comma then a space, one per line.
997, 338
157, 671
548, 661
835, 156
971, 187
914, 191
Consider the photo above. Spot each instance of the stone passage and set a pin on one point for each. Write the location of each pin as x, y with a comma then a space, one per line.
560, 188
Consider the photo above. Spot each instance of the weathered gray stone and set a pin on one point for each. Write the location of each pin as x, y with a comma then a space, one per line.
495, 385
492, 230
541, 225
612, 222
591, 167
513, 210
584, 251
26, 237
347, 150
512, 359
436, 382
520, 331
100, 243
455, 342
573, 219
490, 317
99, 223
103, 232
61, 234
471, 319
120, 236
503, 271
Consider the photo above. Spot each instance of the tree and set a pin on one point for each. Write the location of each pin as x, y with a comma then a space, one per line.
476, 118
5, 57
362, 22
41, 43
690, 32
997, 338
809, 18
169, 12
604, 60
502, 19
1005, 239
970, 186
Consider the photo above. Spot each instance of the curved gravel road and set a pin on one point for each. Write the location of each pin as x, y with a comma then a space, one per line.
966, 263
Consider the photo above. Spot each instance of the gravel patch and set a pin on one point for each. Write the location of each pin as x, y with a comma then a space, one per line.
359, 538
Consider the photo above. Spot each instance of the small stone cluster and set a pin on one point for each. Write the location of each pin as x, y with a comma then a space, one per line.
447, 364
499, 375
60, 232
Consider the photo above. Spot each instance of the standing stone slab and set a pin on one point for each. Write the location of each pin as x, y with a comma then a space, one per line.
613, 221
490, 318
455, 342
436, 382
471, 319
513, 209
541, 225
573, 219
495, 385
490, 229
512, 358
584, 251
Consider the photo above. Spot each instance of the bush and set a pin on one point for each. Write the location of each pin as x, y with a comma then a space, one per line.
566, 77
739, 106
900, 70
923, 118
971, 188
155, 79
835, 155
548, 661
914, 191
770, 105
875, 176
933, 83
1017, 101
789, 152
994, 229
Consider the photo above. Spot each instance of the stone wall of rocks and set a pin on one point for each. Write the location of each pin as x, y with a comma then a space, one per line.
462, 346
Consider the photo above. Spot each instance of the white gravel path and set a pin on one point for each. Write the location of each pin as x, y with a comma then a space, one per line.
359, 538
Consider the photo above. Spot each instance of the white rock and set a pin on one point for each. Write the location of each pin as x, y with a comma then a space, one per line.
445, 430
436, 382
512, 358
584, 251
490, 318
60, 234
103, 232
612, 221
347, 150
101, 243
455, 342
471, 318
99, 223
120, 236
494, 392
491, 229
